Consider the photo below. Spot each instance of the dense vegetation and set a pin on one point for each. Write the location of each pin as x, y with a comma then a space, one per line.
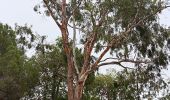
43, 75
118, 33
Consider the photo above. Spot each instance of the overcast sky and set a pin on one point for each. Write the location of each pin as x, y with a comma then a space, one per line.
21, 12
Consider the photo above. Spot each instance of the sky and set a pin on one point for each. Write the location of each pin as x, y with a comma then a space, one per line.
21, 12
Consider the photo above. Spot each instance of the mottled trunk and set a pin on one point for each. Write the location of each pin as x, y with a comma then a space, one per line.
73, 94
78, 91
70, 80
70, 63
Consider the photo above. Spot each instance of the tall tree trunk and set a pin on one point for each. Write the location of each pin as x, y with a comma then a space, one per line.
70, 80
78, 91
70, 63
68, 52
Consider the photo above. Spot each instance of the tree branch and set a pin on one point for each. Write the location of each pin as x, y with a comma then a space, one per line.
124, 60
90, 44
108, 59
73, 27
74, 45
114, 43
124, 66
51, 13
119, 39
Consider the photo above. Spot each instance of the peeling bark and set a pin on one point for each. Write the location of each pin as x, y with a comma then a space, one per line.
80, 87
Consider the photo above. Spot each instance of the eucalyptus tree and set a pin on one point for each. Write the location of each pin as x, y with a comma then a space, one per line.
127, 29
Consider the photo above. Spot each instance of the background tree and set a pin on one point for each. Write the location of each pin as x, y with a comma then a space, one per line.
18, 74
128, 85
121, 27
52, 62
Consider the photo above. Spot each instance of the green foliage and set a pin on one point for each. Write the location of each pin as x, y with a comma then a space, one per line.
18, 74
53, 71
126, 85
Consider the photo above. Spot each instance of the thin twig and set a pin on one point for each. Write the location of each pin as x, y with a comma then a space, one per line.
109, 59
124, 60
